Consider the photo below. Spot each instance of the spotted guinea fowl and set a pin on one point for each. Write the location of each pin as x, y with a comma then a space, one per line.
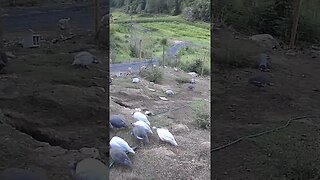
117, 122
144, 125
120, 157
140, 134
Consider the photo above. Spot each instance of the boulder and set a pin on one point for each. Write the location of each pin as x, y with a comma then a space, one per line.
265, 40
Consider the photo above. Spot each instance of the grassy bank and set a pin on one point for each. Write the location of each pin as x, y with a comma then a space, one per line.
151, 30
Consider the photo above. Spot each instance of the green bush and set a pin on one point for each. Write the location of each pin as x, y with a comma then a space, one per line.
201, 113
195, 66
153, 74
182, 80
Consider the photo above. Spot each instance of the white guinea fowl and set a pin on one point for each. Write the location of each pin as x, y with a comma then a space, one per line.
165, 136
143, 125
120, 143
138, 116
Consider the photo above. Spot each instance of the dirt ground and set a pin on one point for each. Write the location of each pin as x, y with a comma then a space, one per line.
241, 109
158, 160
52, 113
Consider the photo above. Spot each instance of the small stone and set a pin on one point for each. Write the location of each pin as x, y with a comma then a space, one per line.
10, 55
179, 128
163, 98
54, 40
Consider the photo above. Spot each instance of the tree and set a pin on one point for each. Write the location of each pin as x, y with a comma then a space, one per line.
1, 30
296, 15
164, 43
96, 16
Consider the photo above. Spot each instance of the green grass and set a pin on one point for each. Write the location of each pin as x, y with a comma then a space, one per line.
126, 83
164, 26
201, 113
182, 80
290, 153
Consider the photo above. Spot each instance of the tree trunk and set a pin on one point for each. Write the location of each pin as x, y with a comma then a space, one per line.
296, 15
96, 16
1, 30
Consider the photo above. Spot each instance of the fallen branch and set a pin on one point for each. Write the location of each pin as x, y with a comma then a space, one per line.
264, 132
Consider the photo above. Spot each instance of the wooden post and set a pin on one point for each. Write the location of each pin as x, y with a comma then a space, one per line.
203, 62
296, 15
96, 16
140, 55
163, 61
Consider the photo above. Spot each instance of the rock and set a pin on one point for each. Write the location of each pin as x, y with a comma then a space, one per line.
259, 81
193, 74
64, 24
291, 53
206, 145
315, 47
179, 128
152, 90
163, 98
55, 40
169, 92
10, 55
265, 40
84, 59
90, 152
135, 80
89, 169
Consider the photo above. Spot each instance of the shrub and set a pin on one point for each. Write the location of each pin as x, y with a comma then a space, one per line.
182, 80
201, 113
153, 74
195, 66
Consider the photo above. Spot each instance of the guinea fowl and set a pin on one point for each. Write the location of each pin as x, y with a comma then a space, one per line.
120, 157
165, 136
120, 143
